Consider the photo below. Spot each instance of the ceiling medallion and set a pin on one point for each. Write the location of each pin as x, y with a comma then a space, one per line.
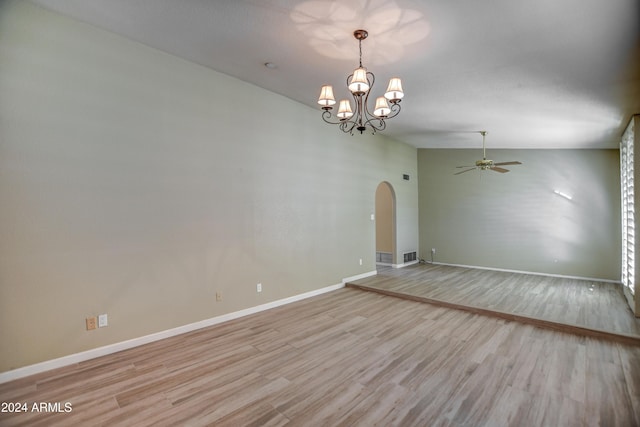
360, 84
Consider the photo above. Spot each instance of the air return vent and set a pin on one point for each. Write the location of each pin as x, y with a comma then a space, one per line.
384, 257
409, 256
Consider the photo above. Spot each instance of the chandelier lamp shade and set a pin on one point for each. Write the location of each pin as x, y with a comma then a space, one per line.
360, 84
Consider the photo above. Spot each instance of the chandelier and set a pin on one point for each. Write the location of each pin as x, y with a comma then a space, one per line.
360, 84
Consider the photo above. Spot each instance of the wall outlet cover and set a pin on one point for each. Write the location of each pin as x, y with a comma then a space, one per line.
92, 323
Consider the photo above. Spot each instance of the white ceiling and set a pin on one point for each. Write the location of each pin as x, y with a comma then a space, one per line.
533, 73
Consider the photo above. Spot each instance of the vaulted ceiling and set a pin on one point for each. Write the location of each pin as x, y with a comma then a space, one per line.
533, 73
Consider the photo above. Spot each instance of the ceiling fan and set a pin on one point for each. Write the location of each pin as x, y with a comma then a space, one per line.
485, 163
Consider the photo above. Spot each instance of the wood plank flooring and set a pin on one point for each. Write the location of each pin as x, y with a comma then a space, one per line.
596, 306
348, 358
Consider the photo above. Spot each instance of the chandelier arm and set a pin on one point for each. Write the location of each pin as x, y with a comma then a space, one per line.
361, 102
380, 126
345, 125
371, 79
395, 110
326, 115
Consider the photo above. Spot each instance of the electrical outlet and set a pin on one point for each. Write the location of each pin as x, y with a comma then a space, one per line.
433, 251
103, 321
218, 296
259, 287
91, 323
360, 261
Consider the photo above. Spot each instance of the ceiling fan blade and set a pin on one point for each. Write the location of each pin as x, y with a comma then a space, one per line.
466, 166
507, 163
501, 170
467, 170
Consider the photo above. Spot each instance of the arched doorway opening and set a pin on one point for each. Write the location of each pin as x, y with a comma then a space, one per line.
385, 224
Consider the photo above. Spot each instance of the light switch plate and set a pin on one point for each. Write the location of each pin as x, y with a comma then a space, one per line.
103, 321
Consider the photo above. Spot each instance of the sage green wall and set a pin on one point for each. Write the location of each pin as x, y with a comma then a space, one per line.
515, 220
136, 184
384, 218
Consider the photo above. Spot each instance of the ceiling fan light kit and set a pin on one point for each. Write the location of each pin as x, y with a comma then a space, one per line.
486, 164
360, 83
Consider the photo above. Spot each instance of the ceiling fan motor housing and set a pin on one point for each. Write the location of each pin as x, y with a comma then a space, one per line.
484, 164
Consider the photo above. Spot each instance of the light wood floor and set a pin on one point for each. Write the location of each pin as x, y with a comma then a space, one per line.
600, 306
348, 358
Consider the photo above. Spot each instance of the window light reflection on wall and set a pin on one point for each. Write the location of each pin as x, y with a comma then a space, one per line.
561, 194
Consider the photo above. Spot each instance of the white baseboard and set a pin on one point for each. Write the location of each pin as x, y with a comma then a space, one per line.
359, 276
406, 264
591, 279
135, 342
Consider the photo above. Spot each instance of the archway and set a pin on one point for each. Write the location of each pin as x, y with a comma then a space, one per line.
385, 224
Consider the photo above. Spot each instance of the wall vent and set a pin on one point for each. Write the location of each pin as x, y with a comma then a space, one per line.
384, 257
410, 256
